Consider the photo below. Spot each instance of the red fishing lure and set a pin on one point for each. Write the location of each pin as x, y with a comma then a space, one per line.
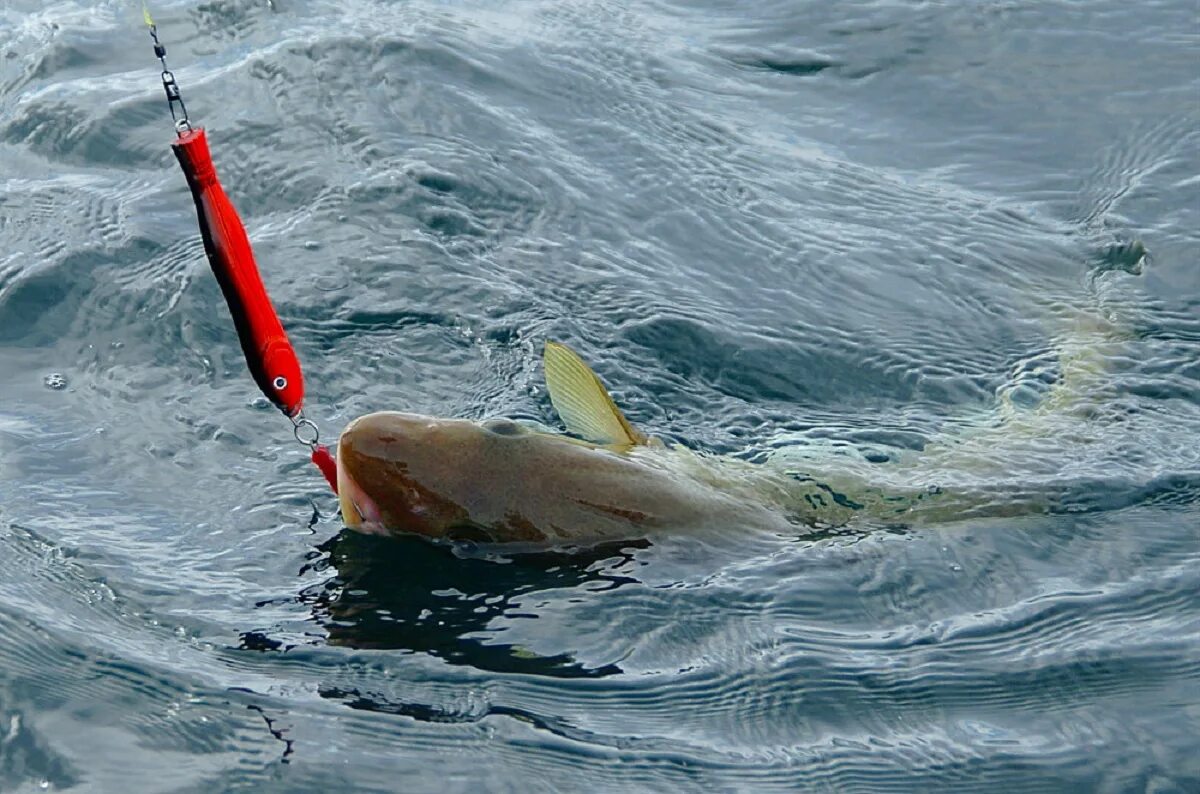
269, 354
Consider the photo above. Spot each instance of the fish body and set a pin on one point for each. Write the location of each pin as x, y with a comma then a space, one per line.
498, 481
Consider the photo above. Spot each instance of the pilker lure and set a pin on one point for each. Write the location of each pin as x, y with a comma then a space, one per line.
269, 354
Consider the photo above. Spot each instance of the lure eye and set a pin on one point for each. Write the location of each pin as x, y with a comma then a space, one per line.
280, 383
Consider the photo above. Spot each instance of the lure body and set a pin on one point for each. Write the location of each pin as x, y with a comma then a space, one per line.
269, 355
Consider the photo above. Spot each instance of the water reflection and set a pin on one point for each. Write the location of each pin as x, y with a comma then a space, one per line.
409, 594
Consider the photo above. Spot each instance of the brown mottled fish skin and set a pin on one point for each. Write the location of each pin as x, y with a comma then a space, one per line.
500, 482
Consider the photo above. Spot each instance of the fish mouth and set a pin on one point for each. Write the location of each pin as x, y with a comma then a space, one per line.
359, 511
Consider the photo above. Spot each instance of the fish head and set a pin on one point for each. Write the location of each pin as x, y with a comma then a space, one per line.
401, 472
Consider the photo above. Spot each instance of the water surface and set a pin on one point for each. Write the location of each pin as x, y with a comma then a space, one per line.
771, 226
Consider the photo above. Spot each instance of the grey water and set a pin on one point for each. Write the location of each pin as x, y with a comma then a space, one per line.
803, 227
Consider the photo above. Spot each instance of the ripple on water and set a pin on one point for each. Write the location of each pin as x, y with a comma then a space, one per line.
839, 232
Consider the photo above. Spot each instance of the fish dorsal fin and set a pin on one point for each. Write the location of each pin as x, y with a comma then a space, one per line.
582, 402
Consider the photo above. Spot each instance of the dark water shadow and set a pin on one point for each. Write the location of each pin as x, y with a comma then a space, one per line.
413, 595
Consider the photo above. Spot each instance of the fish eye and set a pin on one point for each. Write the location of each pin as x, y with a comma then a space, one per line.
504, 427
280, 383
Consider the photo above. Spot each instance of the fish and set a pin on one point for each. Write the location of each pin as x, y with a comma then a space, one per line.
499, 481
